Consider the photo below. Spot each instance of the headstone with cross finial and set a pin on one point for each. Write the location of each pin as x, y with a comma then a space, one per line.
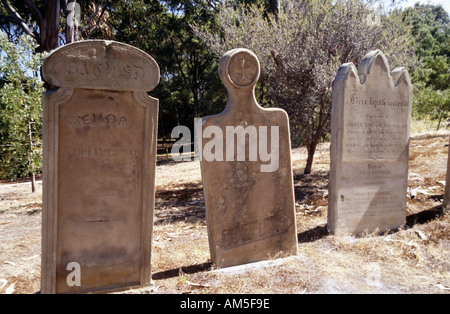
247, 172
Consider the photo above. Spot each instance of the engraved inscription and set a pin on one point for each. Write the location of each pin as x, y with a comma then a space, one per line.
95, 68
369, 151
100, 119
377, 102
371, 190
98, 196
91, 151
101, 159
375, 202
101, 65
374, 128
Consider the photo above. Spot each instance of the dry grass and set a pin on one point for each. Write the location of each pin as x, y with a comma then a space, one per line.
412, 259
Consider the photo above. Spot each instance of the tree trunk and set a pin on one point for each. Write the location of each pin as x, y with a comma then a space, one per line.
316, 135
274, 7
309, 161
30, 153
50, 26
311, 144
47, 19
33, 183
439, 122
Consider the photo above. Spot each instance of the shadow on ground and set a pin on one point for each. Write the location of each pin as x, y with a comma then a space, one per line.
310, 187
307, 236
192, 269
424, 216
183, 202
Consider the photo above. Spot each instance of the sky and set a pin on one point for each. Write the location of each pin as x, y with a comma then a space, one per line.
409, 3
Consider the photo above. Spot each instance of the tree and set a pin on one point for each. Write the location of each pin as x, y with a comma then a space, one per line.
41, 21
52, 22
28, 28
189, 85
20, 108
431, 79
301, 51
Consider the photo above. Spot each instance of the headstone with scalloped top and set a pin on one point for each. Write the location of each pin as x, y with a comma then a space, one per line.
370, 123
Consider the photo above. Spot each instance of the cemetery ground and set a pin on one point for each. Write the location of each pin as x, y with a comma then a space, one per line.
412, 259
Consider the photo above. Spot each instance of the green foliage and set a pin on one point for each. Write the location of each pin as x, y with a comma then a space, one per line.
301, 49
190, 86
20, 108
431, 103
431, 79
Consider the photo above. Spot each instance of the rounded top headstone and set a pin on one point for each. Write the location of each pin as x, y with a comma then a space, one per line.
239, 68
101, 64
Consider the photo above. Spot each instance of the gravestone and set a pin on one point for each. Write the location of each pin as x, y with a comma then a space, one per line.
246, 171
99, 135
370, 122
446, 204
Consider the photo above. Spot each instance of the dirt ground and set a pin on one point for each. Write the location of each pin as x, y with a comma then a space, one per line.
413, 259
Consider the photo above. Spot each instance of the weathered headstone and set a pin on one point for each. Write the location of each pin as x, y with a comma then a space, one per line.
446, 204
246, 171
370, 124
99, 137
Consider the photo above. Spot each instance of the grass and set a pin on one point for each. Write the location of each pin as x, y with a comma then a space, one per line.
412, 259
426, 125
